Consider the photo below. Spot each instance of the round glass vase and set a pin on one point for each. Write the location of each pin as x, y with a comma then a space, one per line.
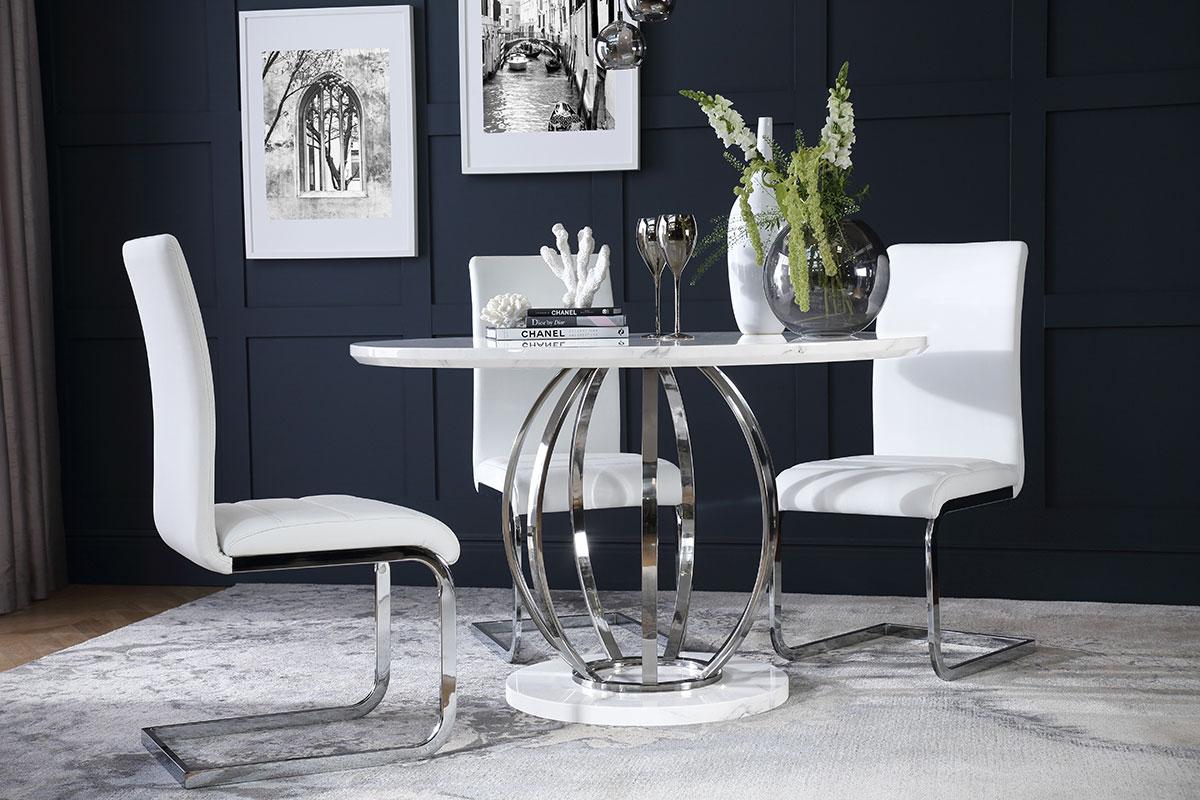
839, 305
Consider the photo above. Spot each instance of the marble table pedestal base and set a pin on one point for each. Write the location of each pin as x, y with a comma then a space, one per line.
550, 690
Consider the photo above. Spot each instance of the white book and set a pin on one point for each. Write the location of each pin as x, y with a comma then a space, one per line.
554, 334
515, 345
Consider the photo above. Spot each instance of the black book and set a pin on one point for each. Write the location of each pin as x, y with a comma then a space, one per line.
612, 321
604, 311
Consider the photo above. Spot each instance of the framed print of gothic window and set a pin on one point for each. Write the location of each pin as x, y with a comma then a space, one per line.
328, 133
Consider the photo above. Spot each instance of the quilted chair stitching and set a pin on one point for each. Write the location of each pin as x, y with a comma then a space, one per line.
338, 511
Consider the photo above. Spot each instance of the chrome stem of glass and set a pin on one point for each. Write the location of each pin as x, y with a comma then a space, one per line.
677, 236
162, 740
656, 262
1004, 648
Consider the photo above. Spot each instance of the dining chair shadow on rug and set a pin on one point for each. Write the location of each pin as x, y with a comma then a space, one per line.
947, 426
611, 478
274, 534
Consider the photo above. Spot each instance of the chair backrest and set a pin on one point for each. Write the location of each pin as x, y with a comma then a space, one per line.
181, 384
503, 396
962, 396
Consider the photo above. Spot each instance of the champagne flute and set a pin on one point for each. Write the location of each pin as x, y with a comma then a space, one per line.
656, 261
677, 235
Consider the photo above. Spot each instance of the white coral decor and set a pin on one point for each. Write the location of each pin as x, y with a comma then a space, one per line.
505, 310
577, 273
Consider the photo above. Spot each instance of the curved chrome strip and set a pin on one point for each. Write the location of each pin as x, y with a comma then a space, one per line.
686, 541
649, 660
583, 559
770, 514
554, 631
506, 516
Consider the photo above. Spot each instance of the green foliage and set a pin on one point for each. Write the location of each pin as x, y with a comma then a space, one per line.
813, 193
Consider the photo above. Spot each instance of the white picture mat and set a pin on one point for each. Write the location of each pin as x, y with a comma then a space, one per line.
370, 27
582, 151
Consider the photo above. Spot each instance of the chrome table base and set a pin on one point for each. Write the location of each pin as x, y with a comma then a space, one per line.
1003, 648
164, 741
618, 672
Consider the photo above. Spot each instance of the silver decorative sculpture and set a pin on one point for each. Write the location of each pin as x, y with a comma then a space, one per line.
578, 274
505, 310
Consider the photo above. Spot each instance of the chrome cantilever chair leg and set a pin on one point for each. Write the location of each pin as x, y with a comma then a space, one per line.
503, 637
163, 740
1003, 648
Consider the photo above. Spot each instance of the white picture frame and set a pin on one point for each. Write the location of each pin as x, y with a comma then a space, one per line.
360, 199
530, 150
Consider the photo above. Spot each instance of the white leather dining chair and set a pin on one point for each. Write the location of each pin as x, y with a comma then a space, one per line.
947, 426
502, 399
256, 535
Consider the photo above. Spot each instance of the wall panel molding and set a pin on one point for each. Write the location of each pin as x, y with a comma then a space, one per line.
1008, 131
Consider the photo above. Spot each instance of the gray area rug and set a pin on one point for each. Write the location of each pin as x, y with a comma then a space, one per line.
1108, 706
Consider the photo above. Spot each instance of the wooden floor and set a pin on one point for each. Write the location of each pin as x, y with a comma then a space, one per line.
78, 613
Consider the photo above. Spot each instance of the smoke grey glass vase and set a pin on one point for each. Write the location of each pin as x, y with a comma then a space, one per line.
839, 305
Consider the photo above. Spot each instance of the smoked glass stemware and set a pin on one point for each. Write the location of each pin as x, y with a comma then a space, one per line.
677, 236
656, 262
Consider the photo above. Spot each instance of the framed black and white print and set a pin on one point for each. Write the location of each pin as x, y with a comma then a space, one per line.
328, 133
531, 95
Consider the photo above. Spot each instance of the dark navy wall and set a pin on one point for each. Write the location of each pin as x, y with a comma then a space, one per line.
1069, 124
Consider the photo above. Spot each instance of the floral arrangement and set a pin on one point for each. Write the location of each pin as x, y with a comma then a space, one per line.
810, 184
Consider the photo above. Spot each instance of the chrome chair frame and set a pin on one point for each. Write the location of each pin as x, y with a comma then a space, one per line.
1005, 648
160, 740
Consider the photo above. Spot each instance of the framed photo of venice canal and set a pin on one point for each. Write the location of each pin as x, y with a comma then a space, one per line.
532, 98
328, 132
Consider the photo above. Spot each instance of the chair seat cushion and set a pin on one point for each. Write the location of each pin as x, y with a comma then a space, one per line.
889, 486
610, 480
327, 522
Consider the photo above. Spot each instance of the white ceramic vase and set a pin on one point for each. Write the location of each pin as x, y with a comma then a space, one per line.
746, 293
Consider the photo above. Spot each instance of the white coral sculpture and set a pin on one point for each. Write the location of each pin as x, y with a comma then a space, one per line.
505, 310
577, 273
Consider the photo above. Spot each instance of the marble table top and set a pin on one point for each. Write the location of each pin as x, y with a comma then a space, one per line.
706, 350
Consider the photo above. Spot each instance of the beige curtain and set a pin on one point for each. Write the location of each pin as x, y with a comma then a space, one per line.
32, 557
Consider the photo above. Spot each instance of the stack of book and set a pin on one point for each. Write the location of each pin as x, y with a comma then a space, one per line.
566, 327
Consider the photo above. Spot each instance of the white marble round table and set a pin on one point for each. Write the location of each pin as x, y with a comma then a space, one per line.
649, 688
